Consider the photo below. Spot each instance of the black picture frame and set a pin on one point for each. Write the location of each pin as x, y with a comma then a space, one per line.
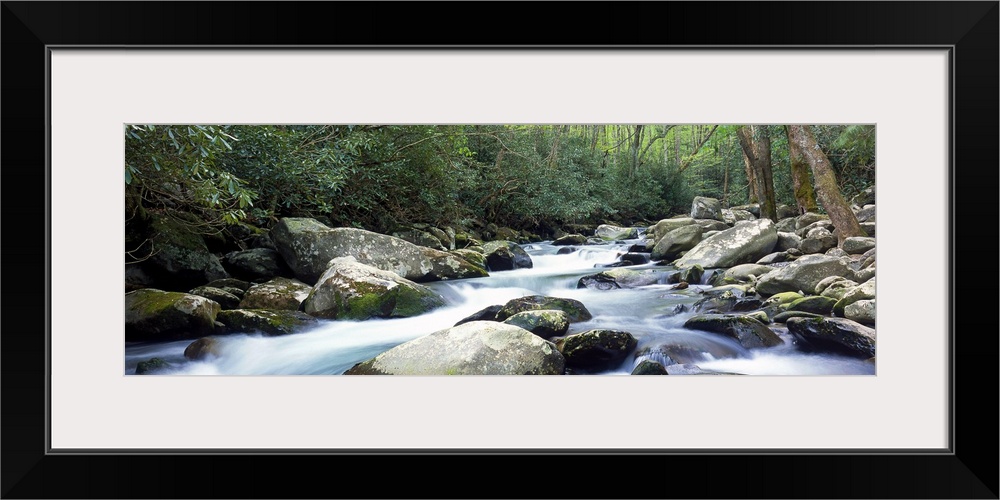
968, 470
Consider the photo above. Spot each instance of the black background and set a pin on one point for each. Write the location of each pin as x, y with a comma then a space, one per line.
971, 472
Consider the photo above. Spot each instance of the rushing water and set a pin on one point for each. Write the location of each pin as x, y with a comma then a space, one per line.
645, 312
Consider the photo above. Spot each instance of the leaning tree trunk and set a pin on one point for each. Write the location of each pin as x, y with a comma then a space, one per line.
805, 197
833, 201
756, 146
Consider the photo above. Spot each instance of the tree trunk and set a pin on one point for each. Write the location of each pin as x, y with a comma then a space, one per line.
805, 197
756, 144
833, 201
751, 180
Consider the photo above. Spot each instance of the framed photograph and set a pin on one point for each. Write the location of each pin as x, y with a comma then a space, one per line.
922, 77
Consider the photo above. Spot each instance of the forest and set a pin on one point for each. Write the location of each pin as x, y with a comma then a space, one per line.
535, 178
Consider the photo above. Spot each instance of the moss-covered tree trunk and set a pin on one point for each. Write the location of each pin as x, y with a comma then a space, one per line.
756, 144
830, 197
805, 197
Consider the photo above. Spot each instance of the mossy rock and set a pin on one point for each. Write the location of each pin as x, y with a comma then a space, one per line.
546, 323
278, 294
787, 315
151, 366
203, 348
355, 291
864, 291
759, 316
182, 259
474, 257
780, 299
225, 299
647, 367
815, 304
570, 239
835, 335
574, 309
596, 350
156, 315
749, 332
264, 321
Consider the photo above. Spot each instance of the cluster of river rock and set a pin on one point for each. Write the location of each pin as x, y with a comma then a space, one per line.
766, 277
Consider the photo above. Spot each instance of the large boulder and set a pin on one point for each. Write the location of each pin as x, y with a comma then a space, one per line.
808, 219
574, 309
279, 294
265, 321
786, 241
664, 226
710, 225
255, 264
420, 238
180, 258
546, 323
862, 311
676, 241
748, 331
753, 208
308, 246
619, 278
743, 243
475, 258
352, 290
732, 216
609, 232
155, 315
475, 348
802, 274
706, 208
596, 350
834, 334
858, 244
504, 255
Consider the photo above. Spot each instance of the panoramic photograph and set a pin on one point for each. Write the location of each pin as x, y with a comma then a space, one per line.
500, 249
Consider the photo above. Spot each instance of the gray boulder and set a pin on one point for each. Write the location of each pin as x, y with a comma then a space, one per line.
786, 225
835, 335
865, 197
546, 323
753, 208
802, 274
745, 242
278, 294
155, 315
706, 208
773, 258
732, 216
743, 272
352, 290
711, 225
858, 244
748, 331
308, 246
676, 241
866, 214
619, 278
664, 226
473, 257
420, 238
610, 232
596, 350
862, 311
475, 348
786, 211
808, 218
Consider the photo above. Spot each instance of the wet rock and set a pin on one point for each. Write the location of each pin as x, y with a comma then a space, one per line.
664, 226
574, 309
608, 232
834, 335
813, 304
151, 366
744, 272
566, 250
475, 348
203, 348
864, 291
488, 313
648, 367
619, 278
692, 274
786, 315
596, 350
749, 332
773, 258
634, 259
514, 258
862, 311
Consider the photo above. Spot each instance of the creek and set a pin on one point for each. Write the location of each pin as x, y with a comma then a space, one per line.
646, 312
